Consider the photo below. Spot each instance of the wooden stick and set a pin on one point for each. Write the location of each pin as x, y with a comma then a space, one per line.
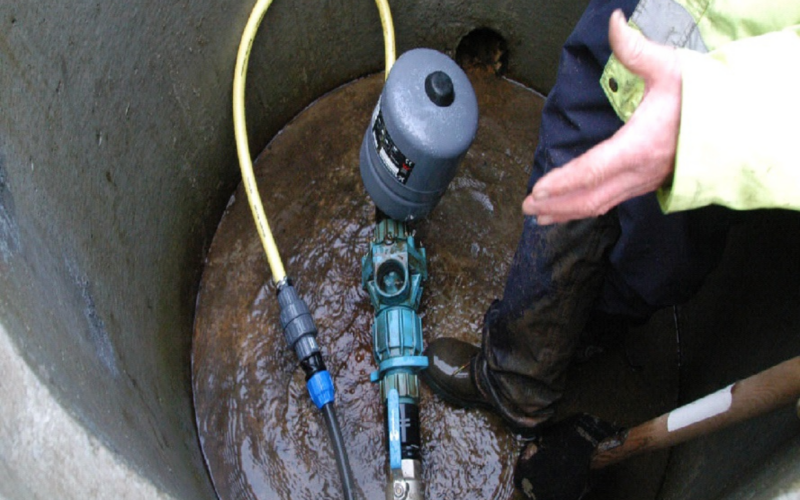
761, 393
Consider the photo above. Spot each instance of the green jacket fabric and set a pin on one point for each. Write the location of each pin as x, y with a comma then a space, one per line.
739, 139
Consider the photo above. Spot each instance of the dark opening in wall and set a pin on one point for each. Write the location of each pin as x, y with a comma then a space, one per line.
483, 48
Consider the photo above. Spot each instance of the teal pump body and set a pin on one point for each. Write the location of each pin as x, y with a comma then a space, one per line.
421, 129
392, 273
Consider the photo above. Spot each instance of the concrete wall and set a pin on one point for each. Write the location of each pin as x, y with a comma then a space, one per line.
744, 320
116, 160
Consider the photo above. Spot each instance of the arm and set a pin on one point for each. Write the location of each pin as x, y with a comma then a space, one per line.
696, 105
739, 142
638, 157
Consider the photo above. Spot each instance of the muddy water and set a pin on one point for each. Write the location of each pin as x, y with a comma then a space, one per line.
260, 434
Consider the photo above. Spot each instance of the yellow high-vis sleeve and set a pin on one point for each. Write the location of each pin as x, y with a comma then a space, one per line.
739, 140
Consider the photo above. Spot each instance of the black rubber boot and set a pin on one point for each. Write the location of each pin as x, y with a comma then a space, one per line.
556, 465
456, 373
450, 373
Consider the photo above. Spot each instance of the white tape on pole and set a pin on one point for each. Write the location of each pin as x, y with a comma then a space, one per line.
700, 410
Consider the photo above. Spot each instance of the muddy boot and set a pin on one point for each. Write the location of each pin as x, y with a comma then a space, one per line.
556, 464
456, 373
530, 335
450, 373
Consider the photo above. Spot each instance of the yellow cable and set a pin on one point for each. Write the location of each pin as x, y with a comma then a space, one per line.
388, 33
242, 146
240, 123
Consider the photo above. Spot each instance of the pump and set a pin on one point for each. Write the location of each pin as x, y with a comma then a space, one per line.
422, 127
424, 123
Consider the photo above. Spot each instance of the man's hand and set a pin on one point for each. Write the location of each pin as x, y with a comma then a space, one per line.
637, 159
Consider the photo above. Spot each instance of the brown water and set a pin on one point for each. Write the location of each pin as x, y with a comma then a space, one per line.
261, 435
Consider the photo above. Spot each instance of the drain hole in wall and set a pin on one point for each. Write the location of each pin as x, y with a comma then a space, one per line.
483, 48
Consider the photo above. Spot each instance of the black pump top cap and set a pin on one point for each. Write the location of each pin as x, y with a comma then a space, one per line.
439, 88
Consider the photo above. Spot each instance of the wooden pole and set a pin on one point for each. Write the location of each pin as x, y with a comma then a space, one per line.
761, 393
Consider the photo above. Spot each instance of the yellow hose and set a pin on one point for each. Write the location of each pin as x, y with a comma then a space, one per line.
388, 33
242, 146
240, 123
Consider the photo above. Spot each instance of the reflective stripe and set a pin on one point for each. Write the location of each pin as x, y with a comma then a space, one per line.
669, 23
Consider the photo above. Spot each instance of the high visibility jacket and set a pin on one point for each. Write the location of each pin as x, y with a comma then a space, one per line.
739, 139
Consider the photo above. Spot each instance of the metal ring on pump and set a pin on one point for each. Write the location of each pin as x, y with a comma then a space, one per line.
410, 362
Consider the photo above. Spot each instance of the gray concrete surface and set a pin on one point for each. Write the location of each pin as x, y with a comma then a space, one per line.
39, 439
744, 320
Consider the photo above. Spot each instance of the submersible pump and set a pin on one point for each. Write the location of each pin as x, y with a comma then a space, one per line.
422, 127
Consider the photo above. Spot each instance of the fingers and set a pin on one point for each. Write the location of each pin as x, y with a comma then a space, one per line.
641, 56
586, 171
635, 160
629, 164
583, 203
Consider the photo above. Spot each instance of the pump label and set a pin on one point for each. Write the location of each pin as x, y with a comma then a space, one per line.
398, 165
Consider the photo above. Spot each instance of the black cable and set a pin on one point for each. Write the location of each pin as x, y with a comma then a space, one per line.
339, 451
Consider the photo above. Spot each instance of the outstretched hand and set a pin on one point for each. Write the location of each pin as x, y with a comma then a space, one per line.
638, 158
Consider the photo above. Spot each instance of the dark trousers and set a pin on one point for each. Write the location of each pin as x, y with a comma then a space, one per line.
627, 263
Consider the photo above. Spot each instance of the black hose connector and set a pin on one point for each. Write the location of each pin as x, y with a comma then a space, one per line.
301, 335
298, 326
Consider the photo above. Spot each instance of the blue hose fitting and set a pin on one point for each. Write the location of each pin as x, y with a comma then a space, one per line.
301, 335
320, 387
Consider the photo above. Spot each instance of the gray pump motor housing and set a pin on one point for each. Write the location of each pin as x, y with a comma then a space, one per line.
422, 127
